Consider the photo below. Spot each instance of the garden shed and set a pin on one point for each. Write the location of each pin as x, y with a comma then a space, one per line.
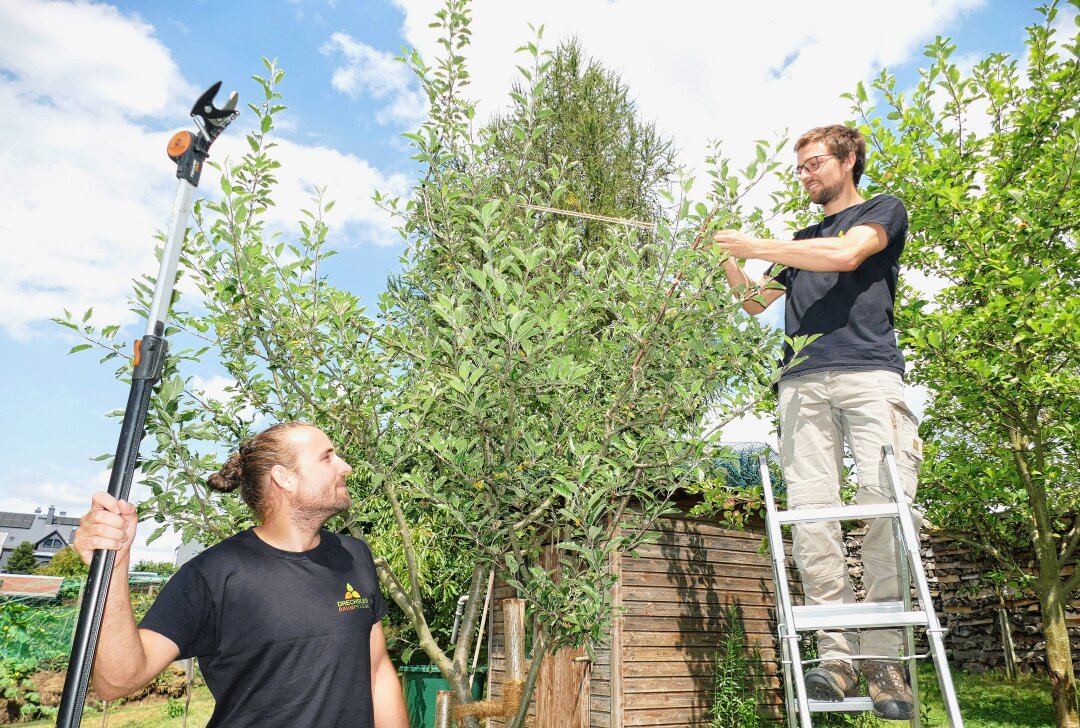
657, 668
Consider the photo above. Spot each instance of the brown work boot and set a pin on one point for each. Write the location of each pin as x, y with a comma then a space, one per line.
832, 680
888, 689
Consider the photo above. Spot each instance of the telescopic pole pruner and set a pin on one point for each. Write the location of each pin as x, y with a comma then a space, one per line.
189, 150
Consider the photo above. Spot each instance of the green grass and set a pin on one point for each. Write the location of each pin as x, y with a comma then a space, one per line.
986, 701
989, 700
149, 713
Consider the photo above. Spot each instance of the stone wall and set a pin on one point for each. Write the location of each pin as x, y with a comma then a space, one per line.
976, 612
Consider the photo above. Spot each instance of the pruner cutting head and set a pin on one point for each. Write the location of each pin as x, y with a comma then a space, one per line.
210, 119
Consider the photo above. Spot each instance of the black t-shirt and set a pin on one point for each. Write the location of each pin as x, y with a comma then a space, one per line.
282, 638
853, 311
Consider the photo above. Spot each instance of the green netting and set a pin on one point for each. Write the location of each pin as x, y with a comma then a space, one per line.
34, 628
740, 461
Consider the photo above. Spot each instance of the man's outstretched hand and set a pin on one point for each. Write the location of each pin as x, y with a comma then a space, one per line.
737, 243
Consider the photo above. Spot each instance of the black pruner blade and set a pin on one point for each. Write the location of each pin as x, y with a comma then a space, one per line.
211, 119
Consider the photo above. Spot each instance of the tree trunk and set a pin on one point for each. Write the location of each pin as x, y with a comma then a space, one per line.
1059, 665
461, 687
1059, 657
1051, 592
539, 652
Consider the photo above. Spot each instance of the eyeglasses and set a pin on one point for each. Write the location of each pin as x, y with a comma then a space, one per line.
812, 165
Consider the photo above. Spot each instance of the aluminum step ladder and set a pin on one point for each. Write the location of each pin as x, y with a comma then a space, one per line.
794, 620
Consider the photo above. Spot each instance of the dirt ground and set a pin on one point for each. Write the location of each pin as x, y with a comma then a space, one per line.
49, 686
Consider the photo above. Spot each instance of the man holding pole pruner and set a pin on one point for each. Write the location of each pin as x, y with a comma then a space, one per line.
840, 279
285, 617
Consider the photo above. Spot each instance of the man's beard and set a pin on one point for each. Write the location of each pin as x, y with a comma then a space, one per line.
317, 511
824, 195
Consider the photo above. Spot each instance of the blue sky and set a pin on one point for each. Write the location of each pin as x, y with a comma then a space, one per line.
91, 92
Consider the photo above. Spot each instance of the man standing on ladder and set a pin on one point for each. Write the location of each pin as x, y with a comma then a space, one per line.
840, 278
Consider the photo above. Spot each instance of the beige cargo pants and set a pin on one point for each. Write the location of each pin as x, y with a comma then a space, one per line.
819, 412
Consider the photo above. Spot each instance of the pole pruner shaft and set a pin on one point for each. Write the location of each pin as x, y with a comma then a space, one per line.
189, 150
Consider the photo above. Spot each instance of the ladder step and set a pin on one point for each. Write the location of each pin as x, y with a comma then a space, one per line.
847, 705
838, 513
863, 615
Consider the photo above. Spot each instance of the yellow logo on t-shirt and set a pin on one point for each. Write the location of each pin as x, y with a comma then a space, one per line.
840, 234
352, 600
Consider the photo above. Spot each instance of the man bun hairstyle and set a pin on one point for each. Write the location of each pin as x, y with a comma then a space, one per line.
841, 141
248, 469
230, 477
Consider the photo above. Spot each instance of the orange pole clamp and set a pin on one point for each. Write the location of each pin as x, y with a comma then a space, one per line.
138, 352
181, 141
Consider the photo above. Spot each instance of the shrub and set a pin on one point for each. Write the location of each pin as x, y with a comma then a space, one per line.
22, 559
738, 668
65, 562
174, 708
162, 568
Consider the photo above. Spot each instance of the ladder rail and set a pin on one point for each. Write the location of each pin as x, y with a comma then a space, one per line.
785, 665
904, 569
786, 631
934, 631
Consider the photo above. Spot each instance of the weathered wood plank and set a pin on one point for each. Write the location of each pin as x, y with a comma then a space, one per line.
676, 654
562, 694
657, 669
698, 683
600, 719
638, 620
756, 628
680, 639
699, 579
680, 669
685, 717
652, 557
615, 647
713, 609
699, 527
695, 598
700, 699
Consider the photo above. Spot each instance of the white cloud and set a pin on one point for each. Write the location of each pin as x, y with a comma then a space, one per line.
90, 99
220, 389
348, 180
216, 388
1065, 23
76, 220
301, 8
72, 54
731, 71
918, 396
70, 498
368, 71
751, 428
